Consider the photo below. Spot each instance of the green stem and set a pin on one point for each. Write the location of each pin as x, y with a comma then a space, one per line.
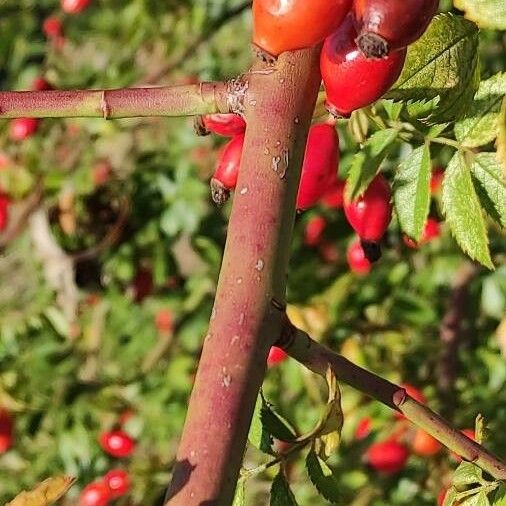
319, 358
188, 100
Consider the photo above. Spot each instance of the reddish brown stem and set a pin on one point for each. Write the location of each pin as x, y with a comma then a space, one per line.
247, 316
188, 100
319, 358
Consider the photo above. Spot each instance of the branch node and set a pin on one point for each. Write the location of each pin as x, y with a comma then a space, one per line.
399, 397
236, 94
104, 106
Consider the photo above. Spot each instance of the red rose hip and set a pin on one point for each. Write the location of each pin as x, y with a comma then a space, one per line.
227, 170
23, 128
350, 79
313, 233
4, 213
52, 27
387, 457
74, 6
228, 125
117, 482
430, 232
286, 25
319, 170
357, 260
276, 356
370, 215
386, 25
95, 494
117, 443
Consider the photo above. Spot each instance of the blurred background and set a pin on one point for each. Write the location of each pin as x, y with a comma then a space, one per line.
111, 250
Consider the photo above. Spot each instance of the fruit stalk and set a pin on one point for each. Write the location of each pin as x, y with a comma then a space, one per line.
188, 100
318, 358
249, 306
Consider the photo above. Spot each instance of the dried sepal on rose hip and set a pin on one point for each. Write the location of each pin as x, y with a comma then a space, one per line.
287, 25
227, 170
319, 169
351, 80
387, 25
370, 214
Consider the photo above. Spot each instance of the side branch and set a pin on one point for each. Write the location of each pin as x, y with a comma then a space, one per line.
318, 358
188, 100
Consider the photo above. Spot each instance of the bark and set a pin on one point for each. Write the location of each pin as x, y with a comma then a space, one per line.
247, 317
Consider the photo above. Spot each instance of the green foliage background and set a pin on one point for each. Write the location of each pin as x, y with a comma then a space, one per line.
65, 384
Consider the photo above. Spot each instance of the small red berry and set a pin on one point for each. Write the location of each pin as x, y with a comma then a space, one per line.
370, 215
228, 125
436, 179
334, 197
117, 443
388, 457
52, 27
74, 6
95, 494
363, 428
118, 482
413, 392
424, 444
386, 25
351, 80
430, 232
280, 25
319, 170
357, 261
6, 430
23, 128
164, 321
227, 170
5, 203
276, 355
313, 232
40, 84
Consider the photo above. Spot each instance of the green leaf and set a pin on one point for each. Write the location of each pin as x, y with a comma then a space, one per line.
393, 109
480, 125
322, 478
441, 69
258, 435
486, 13
488, 176
281, 495
275, 424
467, 474
479, 499
366, 163
463, 211
500, 496
239, 497
450, 497
412, 191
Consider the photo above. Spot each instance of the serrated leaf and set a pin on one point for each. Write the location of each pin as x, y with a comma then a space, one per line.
44, 494
258, 435
501, 137
486, 13
366, 163
450, 497
275, 424
442, 67
479, 499
467, 474
239, 497
393, 109
480, 125
487, 173
322, 478
500, 496
412, 191
463, 211
281, 495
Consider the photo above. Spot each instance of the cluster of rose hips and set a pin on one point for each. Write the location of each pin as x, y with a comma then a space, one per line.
116, 483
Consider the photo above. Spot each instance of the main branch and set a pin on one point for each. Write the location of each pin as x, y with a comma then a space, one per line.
248, 312
319, 358
189, 100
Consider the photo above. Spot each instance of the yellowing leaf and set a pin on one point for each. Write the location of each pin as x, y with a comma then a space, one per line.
44, 494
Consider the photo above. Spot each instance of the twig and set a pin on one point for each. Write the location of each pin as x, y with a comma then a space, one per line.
318, 358
188, 100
